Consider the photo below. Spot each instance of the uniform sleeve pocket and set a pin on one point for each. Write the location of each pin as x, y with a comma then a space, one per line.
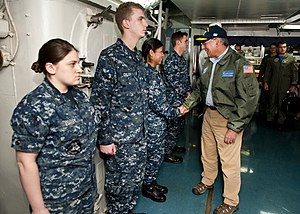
250, 87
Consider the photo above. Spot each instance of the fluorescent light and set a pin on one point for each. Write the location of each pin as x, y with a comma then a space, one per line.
271, 16
291, 27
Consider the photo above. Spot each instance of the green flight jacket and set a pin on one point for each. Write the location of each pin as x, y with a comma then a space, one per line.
235, 89
281, 75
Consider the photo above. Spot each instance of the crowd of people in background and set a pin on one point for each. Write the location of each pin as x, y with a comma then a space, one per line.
135, 115
278, 79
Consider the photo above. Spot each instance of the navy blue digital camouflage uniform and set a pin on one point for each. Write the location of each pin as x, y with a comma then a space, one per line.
119, 94
178, 85
62, 130
159, 111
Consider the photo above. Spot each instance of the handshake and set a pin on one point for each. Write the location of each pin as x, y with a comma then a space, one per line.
183, 110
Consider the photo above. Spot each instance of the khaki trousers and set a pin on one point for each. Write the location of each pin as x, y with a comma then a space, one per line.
214, 129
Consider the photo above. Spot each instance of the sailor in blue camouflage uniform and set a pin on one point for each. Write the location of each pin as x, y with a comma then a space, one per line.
54, 136
178, 88
159, 111
119, 94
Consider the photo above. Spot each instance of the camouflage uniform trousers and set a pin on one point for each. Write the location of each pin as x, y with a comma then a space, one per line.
174, 128
155, 152
84, 204
124, 176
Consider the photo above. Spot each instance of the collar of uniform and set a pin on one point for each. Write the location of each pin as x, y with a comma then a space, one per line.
286, 56
226, 55
149, 66
173, 52
50, 85
175, 57
120, 42
135, 54
57, 95
216, 60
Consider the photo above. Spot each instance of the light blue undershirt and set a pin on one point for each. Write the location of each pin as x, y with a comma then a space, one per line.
209, 99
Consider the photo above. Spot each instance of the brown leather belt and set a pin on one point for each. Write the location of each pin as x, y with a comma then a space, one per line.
212, 107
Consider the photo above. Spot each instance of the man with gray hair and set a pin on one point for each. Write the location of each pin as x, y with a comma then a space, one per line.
229, 88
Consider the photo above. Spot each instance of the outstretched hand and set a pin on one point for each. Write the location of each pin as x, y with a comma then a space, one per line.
183, 110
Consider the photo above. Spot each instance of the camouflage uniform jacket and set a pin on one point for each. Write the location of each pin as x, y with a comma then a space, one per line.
159, 108
234, 89
177, 78
62, 133
119, 94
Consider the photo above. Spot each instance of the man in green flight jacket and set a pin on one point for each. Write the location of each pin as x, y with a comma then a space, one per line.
229, 88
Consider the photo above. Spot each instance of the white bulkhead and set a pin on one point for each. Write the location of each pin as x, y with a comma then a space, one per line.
25, 26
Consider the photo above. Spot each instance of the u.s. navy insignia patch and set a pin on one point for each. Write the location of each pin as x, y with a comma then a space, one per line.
248, 69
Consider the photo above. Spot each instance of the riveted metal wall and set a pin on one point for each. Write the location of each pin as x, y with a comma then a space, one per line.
36, 22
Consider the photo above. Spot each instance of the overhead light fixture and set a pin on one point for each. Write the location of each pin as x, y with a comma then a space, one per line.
291, 27
270, 16
144, 3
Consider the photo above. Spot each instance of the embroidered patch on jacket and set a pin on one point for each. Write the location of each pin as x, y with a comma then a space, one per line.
248, 69
228, 74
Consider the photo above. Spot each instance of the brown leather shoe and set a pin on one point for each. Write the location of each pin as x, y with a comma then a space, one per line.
201, 188
226, 209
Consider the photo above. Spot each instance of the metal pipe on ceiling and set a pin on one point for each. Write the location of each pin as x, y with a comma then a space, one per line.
293, 18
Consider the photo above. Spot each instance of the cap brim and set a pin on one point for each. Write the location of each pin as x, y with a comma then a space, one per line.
202, 39
205, 37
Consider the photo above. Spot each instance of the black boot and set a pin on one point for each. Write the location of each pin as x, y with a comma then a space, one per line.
179, 149
171, 158
131, 212
149, 191
160, 188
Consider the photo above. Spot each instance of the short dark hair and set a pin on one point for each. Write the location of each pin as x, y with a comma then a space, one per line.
150, 44
274, 43
177, 36
52, 51
281, 43
124, 11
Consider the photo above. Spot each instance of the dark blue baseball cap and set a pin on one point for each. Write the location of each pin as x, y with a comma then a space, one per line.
213, 32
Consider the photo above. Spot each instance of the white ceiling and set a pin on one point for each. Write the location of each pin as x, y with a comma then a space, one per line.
240, 12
